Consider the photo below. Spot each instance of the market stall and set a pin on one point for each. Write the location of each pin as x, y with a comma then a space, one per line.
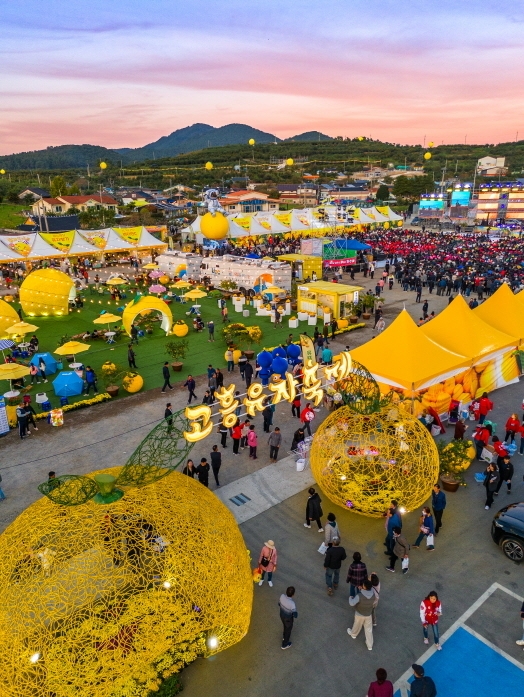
304, 265
315, 297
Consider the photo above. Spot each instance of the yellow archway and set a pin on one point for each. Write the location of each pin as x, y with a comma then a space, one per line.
46, 292
8, 317
146, 304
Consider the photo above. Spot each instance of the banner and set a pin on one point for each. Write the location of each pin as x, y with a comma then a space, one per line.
308, 350
129, 234
98, 238
22, 244
59, 240
330, 263
4, 424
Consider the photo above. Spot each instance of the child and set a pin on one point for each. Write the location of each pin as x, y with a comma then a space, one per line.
252, 441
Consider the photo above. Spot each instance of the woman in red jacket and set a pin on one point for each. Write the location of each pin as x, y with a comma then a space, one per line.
485, 406
512, 427
236, 434
307, 417
430, 611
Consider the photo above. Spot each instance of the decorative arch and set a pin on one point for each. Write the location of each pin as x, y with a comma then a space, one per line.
8, 317
145, 304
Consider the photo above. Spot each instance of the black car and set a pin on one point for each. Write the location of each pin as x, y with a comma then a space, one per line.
507, 530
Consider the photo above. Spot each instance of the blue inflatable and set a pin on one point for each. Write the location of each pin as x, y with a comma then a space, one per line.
279, 366
264, 359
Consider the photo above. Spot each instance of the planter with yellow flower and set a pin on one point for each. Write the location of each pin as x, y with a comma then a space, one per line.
180, 328
454, 458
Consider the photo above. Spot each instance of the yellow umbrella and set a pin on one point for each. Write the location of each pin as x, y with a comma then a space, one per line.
195, 294
274, 290
180, 284
116, 281
107, 318
22, 328
150, 266
13, 371
72, 348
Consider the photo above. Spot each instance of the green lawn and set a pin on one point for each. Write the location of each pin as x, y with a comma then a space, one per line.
151, 348
10, 215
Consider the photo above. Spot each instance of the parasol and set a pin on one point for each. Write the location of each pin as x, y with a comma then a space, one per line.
22, 328
71, 348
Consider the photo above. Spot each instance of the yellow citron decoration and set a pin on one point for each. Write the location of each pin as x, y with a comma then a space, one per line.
361, 462
214, 227
133, 382
108, 600
427, 156
209, 165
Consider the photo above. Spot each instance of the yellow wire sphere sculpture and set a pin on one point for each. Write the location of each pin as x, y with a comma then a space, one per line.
361, 462
214, 227
108, 599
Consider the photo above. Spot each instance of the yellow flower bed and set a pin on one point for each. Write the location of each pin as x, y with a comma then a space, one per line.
102, 397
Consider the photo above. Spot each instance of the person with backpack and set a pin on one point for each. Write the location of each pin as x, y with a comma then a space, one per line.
267, 561
400, 551
422, 685
430, 612
363, 602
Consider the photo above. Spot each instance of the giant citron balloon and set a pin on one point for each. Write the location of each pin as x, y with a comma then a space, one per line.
431, 144
108, 599
209, 165
214, 227
2, 171
103, 165
290, 161
251, 141
362, 461
427, 156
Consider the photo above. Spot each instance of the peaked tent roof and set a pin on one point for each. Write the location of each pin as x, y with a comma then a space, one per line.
8, 254
504, 311
149, 240
402, 356
255, 227
459, 329
386, 210
41, 248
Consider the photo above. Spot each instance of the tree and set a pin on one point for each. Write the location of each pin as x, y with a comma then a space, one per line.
382, 193
412, 187
58, 187
96, 219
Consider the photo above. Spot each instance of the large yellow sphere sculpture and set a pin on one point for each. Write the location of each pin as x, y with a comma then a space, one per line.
145, 305
290, 161
107, 599
103, 165
214, 227
363, 461
46, 292
8, 317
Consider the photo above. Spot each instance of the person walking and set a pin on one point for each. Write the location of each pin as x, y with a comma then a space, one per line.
314, 510
216, 462
357, 573
306, 417
248, 373
267, 415
168, 416
131, 356
134, 334
22, 417
236, 434
393, 519
363, 602
230, 361
512, 428
225, 314
422, 685
252, 441
211, 330
331, 531
438, 504
90, 380
491, 480
190, 384
244, 434
485, 406
267, 561
381, 687
519, 642
295, 406
242, 364
506, 472
400, 551
274, 441
430, 612
30, 412
33, 372
223, 430
333, 559
288, 613
427, 530
481, 437
42, 369
165, 374
375, 582
202, 472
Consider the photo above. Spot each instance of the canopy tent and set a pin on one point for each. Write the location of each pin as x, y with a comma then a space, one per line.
350, 245
8, 254
271, 222
256, 228
391, 215
148, 240
378, 217
403, 357
70, 242
504, 312
459, 329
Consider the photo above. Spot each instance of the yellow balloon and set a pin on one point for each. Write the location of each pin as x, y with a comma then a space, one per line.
209, 165
431, 144
2, 171
214, 227
361, 137
427, 156
103, 165
251, 141
290, 161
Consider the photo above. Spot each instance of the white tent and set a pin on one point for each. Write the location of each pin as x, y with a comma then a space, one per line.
255, 228
116, 243
148, 240
301, 219
377, 215
275, 225
7, 254
42, 249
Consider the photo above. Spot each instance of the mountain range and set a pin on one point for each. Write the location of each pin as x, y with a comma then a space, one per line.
196, 137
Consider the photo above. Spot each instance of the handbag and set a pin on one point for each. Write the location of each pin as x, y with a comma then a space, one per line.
430, 541
435, 430
265, 561
323, 548
405, 563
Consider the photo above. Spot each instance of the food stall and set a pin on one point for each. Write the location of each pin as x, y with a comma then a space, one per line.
303, 265
316, 296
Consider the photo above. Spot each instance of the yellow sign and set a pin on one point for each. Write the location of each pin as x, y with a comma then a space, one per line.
280, 389
59, 240
308, 350
98, 238
19, 243
129, 234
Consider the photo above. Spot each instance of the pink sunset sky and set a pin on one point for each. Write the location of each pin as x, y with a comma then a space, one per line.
122, 74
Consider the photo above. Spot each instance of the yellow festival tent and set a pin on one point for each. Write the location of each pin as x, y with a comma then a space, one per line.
504, 311
403, 357
459, 329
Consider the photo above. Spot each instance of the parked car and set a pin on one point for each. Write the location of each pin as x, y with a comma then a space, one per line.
507, 530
